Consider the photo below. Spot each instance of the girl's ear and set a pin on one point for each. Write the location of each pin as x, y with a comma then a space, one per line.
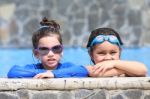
120, 49
91, 55
61, 54
36, 53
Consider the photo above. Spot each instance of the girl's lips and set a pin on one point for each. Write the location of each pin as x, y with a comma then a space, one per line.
51, 59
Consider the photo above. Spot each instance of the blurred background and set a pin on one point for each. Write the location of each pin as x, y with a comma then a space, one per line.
20, 18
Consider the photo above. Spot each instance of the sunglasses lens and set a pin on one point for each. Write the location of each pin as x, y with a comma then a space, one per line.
43, 50
57, 49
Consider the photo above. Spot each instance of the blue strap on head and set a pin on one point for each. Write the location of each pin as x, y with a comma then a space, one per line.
101, 38
44, 26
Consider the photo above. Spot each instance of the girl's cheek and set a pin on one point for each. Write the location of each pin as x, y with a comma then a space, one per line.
98, 60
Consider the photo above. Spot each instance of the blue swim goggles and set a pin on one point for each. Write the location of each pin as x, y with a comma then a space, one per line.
101, 38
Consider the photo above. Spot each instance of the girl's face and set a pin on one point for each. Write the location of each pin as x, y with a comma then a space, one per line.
52, 56
105, 51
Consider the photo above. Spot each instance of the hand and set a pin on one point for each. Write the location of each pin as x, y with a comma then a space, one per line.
47, 74
100, 68
92, 72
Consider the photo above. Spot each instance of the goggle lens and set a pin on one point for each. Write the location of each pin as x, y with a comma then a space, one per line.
101, 38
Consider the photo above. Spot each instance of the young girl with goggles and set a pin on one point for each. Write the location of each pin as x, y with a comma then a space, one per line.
104, 48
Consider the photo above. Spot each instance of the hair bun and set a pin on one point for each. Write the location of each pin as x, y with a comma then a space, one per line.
44, 21
50, 23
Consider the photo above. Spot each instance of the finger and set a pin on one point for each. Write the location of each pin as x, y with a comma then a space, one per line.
96, 73
42, 76
93, 67
97, 66
100, 72
38, 76
92, 73
99, 69
103, 71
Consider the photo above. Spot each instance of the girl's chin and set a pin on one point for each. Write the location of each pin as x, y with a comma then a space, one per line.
51, 66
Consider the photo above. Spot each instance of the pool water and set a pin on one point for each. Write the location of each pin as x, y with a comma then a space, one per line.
10, 57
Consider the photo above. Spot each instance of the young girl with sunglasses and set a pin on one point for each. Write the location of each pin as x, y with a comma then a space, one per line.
47, 47
104, 48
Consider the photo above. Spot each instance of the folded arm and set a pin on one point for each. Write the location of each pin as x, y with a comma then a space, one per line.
23, 72
131, 68
75, 71
107, 73
115, 67
29, 72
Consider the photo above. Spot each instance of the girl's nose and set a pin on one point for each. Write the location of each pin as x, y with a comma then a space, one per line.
50, 53
108, 57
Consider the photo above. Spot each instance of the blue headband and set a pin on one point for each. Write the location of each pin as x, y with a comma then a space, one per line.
44, 26
101, 38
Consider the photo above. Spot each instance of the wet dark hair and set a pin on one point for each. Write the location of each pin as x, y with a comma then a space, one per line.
103, 31
48, 27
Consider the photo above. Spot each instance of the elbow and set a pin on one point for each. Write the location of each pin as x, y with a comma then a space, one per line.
11, 74
143, 72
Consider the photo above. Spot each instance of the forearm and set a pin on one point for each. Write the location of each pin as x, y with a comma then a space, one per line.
22, 72
108, 73
112, 72
127, 74
75, 71
131, 68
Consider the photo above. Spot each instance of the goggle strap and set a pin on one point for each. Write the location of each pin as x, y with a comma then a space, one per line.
101, 38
